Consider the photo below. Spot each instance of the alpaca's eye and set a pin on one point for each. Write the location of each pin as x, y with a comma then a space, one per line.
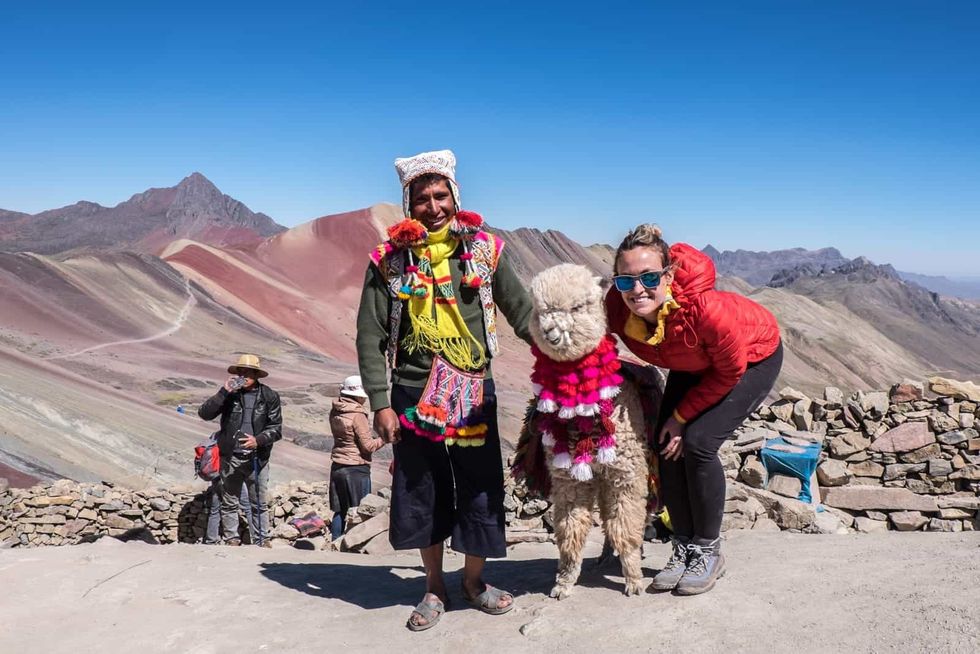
577, 308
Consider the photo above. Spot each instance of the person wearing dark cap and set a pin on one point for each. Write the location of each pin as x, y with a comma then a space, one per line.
251, 421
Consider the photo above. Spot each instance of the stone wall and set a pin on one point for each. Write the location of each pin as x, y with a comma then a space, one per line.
889, 460
66, 512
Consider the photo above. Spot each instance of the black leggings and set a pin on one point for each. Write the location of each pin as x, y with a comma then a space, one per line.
694, 486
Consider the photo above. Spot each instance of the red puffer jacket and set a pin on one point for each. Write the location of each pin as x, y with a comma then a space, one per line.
714, 333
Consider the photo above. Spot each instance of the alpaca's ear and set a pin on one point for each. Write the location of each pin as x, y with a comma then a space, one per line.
601, 282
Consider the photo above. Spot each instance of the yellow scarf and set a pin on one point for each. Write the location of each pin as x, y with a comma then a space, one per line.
437, 325
639, 329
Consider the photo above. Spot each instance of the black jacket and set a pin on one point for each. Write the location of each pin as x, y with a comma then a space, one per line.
266, 419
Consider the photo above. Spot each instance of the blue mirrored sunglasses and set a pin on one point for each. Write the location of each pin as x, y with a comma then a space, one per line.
649, 279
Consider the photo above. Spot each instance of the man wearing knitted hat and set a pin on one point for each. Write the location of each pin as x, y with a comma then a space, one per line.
428, 311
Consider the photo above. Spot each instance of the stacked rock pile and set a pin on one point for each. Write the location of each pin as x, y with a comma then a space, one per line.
889, 460
67, 512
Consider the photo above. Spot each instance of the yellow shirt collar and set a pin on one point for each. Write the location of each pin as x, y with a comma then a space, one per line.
639, 329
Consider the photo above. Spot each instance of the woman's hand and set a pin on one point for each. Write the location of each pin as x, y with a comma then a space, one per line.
386, 425
672, 433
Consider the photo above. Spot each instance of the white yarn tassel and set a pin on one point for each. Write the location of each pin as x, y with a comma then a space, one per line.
608, 392
547, 406
581, 471
566, 412
606, 455
562, 461
547, 439
586, 409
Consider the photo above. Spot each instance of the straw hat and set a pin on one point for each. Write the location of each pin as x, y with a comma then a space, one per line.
251, 362
352, 387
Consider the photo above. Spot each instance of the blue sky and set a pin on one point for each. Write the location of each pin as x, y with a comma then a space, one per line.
755, 125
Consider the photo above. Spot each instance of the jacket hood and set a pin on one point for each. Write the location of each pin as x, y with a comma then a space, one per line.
694, 273
348, 405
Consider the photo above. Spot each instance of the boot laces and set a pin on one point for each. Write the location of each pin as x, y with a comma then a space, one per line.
679, 556
698, 561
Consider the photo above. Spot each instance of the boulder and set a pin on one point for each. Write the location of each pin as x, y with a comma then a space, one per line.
365, 531
961, 390
907, 520
787, 513
833, 473
379, 545
862, 498
906, 437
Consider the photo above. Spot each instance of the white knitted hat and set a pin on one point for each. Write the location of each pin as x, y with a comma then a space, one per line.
352, 386
440, 162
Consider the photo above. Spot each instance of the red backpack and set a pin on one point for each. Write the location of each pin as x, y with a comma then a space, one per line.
207, 459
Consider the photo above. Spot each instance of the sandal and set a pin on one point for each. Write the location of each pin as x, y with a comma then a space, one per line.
489, 600
430, 611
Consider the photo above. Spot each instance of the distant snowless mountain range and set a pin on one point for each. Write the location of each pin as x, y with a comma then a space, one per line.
113, 316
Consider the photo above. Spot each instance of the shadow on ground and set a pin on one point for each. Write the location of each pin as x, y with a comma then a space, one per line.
375, 586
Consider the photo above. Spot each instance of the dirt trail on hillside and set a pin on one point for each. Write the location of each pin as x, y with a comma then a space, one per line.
169, 331
784, 592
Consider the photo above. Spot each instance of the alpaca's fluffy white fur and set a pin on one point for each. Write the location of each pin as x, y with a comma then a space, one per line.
567, 323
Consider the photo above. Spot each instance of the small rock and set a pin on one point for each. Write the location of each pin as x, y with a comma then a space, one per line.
833, 473
802, 417
869, 526
922, 455
847, 444
285, 531
159, 504
866, 469
826, 522
765, 524
938, 524
753, 472
785, 485
783, 410
907, 391
833, 397
956, 437
792, 395
967, 420
939, 467
907, 520
955, 513
371, 505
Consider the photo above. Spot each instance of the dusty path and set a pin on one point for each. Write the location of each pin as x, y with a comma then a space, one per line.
784, 593
172, 329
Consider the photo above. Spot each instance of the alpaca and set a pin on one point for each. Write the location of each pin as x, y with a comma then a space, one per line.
590, 421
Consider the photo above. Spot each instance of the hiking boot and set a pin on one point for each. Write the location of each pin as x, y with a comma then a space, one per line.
234, 542
674, 569
705, 564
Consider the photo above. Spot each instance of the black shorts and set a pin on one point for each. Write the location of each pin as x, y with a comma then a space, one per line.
438, 491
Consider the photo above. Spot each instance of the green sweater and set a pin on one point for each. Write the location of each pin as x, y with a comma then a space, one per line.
412, 369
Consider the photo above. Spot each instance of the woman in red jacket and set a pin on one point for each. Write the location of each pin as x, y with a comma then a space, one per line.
723, 352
